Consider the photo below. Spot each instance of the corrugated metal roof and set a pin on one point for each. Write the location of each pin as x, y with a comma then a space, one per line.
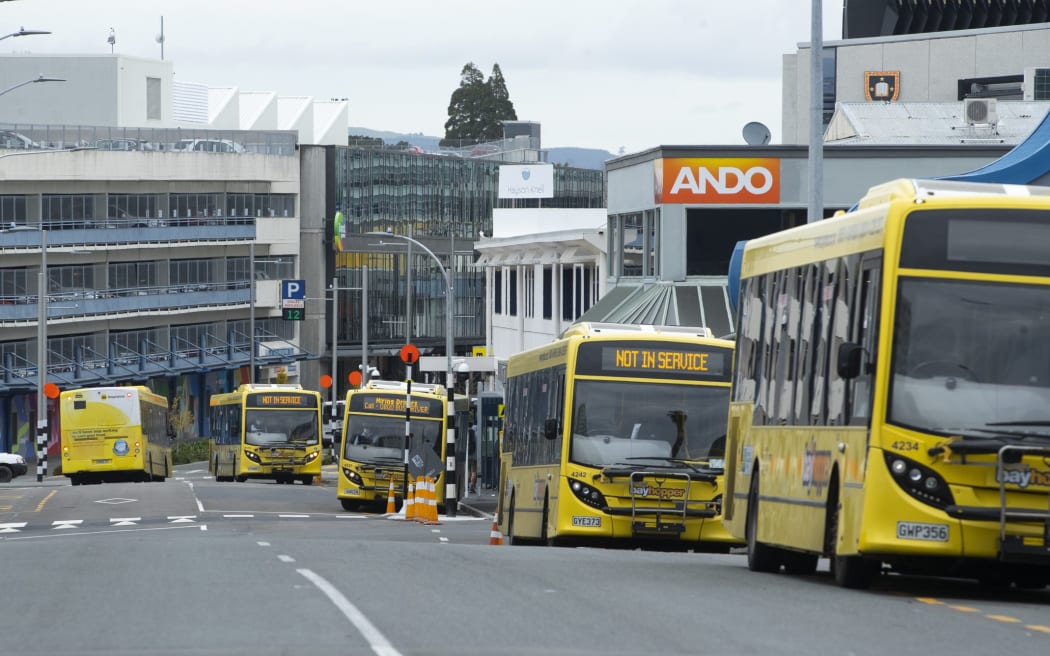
936, 123
700, 301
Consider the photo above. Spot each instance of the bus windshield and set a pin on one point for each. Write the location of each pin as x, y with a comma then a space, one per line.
971, 358
614, 421
381, 440
269, 427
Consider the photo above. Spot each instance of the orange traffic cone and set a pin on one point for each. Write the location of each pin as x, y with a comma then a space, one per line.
410, 502
495, 537
391, 506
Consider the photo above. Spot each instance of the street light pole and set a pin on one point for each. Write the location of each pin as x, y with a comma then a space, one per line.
251, 316
42, 78
451, 498
23, 32
41, 362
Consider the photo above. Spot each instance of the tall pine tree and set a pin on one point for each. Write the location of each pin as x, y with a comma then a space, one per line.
477, 107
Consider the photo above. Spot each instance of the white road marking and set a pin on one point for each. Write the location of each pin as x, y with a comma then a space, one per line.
238, 516
285, 559
181, 519
376, 640
200, 506
82, 533
12, 527
294, 516
263, 544
66, 523
124, 521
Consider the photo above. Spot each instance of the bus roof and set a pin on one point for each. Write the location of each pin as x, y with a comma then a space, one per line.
916, 190
596, 328
401, 386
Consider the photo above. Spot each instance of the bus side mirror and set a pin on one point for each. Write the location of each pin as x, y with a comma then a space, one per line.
550, 429
849, 359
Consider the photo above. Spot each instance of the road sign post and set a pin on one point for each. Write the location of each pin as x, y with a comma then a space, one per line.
409, 355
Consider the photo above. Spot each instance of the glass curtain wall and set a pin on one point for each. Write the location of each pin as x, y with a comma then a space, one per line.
443, 202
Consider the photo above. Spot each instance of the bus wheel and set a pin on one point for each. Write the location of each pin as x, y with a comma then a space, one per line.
306, 479
5, 474
350, 504
149, 469
849, 571
511, 539
760, 557
239, 479
544, 539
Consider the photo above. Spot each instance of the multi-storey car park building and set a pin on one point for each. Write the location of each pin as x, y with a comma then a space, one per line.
146, 258
148, 236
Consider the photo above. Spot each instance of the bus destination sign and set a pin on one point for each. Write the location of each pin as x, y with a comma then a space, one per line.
654, 360
281, 400
395, 404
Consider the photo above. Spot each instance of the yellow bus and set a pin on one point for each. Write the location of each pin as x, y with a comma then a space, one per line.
372, 451
891, 388
270, 431
111, 434
615, 434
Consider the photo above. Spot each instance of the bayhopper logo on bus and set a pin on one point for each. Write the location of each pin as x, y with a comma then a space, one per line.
704, 180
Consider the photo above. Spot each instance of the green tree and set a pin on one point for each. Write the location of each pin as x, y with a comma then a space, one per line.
477, 107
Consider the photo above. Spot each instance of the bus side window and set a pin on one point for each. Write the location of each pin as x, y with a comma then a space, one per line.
865, 332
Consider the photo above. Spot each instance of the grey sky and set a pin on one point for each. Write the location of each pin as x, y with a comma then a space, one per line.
595, 73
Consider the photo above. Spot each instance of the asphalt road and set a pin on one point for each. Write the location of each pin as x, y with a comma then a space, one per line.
191, 567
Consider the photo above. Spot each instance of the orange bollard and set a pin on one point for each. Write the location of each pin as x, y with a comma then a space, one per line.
391, 505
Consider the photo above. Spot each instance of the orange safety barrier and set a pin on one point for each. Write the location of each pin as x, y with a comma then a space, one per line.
431, 516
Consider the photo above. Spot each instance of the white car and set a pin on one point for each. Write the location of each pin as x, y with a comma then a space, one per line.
11, 465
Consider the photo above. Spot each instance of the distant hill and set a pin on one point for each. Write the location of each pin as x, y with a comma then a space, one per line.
584, 158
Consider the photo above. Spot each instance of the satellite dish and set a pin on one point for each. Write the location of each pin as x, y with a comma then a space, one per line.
756, 134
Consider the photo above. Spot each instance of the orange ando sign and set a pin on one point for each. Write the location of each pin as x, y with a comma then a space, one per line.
704, 180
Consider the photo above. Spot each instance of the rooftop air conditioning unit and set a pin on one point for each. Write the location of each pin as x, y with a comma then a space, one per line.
980, 111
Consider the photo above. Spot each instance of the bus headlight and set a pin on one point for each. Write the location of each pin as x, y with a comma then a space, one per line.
919, 481
353, 476
587, 494
253, 456
310, 457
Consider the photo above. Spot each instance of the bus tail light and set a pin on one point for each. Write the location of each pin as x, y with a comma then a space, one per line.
919, 481
587, 494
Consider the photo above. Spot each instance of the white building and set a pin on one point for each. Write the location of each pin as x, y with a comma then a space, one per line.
119, 91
